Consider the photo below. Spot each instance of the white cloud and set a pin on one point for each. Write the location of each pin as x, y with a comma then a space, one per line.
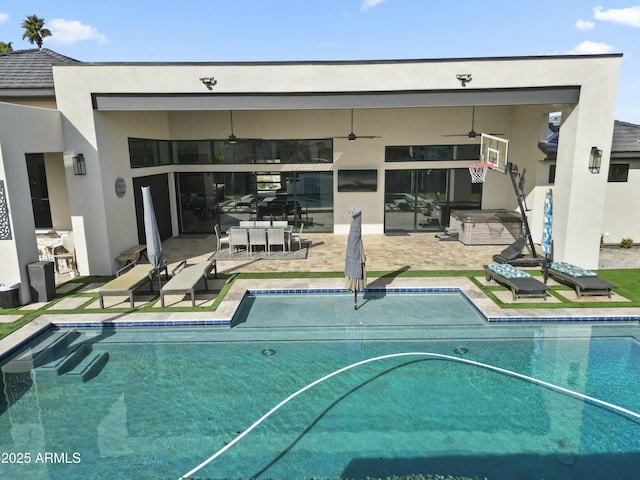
368, 4
585, 25
587, 48
4, 17
625, 16
70, 32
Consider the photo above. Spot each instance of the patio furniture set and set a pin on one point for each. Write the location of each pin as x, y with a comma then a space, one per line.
250, 235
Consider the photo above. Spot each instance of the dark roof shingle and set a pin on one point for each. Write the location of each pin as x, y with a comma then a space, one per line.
626, 138
30, 69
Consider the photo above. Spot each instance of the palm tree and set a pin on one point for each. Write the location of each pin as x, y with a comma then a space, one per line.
6, 47
34, 30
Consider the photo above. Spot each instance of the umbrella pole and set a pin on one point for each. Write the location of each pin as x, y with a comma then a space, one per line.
355, 299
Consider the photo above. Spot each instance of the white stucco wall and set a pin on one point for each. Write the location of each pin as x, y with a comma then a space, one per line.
24, 130
107, 222
621, 217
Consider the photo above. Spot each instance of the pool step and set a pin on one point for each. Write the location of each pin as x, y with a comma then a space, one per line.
91, 367
68, 362
49, 349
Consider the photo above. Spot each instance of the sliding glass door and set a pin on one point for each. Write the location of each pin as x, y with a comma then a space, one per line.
420, 200
208, 198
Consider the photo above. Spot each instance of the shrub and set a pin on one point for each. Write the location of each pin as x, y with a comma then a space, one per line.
626, 242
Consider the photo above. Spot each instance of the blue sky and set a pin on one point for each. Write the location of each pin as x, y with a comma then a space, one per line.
257, 30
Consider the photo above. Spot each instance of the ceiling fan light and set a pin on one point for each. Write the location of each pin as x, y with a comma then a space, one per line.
352, 137
232, 138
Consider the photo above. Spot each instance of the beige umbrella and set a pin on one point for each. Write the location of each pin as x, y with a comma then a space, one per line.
354, 267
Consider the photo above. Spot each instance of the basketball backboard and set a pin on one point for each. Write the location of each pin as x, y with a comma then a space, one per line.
494, 151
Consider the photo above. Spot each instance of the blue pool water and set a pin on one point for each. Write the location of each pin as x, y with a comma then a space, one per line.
168, 399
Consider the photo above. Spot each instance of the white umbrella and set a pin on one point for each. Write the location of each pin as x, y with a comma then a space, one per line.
152, 234
354, 267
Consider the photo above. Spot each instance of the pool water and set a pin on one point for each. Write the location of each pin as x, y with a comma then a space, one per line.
168, 399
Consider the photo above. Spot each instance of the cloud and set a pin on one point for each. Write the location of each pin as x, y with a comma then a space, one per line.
4, 17
368, 4
585, 25
625, 16
70, 32
587, 48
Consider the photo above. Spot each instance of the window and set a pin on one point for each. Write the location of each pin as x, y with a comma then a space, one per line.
552, 173
618, 172
413, 153
149, 153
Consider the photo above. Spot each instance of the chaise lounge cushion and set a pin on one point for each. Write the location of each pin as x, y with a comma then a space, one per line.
521, 283
585, 282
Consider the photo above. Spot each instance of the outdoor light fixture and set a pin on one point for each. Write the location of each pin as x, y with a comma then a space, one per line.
595, 159
464, 78
79, 167
208, 82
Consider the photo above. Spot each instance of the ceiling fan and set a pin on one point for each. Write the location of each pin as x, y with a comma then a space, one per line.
471, 133
352, 136
232, 138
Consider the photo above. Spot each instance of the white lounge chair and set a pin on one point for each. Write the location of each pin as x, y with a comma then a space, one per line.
127, 281
188, 278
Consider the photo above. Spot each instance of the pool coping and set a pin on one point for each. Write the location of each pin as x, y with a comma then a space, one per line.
223, 315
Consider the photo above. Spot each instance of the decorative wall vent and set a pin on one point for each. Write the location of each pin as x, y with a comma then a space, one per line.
5, 225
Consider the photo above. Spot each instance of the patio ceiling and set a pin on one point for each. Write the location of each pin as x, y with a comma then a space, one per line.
332, 100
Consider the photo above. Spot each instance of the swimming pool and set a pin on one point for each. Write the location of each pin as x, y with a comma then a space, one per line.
168, 399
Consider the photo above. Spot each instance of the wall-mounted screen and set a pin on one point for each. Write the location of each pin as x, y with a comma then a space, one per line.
357, 180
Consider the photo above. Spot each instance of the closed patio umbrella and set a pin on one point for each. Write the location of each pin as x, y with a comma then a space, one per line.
152, 234
354, 267
546, 242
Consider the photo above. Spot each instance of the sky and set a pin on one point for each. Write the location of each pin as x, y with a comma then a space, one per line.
281, 30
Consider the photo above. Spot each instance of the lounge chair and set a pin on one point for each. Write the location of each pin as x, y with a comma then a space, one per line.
513, 255
188, 279
585, 282
521, 283
127, 281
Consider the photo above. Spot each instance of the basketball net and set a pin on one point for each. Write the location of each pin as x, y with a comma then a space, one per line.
478, 171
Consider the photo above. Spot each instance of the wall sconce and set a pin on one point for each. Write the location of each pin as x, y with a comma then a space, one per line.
464, 78
208, 82
595, 160
79, 167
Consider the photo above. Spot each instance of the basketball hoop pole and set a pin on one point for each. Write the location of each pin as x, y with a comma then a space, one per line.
513, 173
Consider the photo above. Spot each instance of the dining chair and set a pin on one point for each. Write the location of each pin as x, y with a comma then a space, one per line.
263, 223
257, 237
296, 237
275, 236
247, 223
221, 240
238, 238
280, 223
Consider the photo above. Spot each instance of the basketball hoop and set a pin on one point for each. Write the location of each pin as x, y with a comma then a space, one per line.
478, 171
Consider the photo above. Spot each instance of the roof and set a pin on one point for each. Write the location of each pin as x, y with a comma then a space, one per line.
626, 139
29, 70
625, 144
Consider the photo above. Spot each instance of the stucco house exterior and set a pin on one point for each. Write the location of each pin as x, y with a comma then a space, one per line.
218, 142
